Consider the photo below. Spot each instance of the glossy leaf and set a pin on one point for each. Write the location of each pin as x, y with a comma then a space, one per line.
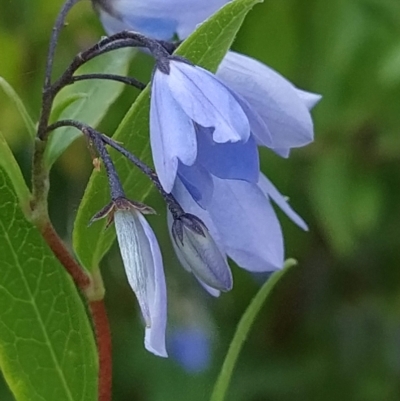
10, 92
206, 47
11, 167
243, 329
91, 109
65, 102
47, 349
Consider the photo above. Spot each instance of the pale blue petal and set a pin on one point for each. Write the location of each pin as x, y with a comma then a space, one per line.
283, 152
212, 291
310, 99
172, 133
173, 16
158, 28
270, 191
258, 127
208, 102
237, 160
137, 257
188, 204
273, 97
249, 229
198, 182
155, 334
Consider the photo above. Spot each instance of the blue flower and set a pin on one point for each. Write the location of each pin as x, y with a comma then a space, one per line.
190, 112
242, 221
204, 137
160, 19
144, 268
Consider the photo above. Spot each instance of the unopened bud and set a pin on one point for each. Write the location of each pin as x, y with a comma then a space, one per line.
198, 251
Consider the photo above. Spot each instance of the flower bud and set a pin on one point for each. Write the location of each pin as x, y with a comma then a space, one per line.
199, 253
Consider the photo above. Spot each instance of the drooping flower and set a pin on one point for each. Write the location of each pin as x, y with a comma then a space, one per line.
194, 114
205, 130
186, 101
143, 264
242, 221
160, 19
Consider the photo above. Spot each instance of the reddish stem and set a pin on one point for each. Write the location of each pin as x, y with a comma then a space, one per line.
97, 309
103, 337
80, 277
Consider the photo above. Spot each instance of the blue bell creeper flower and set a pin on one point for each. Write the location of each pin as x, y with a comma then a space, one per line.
205, 130
243, 223
192, 110
220, 181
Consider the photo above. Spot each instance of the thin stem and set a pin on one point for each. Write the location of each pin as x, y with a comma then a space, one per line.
119, 78
80, 277
103, 338
59, 24
47, 95
155, 47
115, 184
173, 205
159, 49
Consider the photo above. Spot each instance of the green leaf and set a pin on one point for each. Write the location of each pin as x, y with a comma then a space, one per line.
10, 92
47, 349
243, 329
63, 102
206, 47
11, 167
100, 95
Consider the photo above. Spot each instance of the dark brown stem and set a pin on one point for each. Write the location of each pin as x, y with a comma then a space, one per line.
47, 95
125, 80
103, 339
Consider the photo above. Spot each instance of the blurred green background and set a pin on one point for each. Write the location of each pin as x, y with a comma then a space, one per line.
332, 330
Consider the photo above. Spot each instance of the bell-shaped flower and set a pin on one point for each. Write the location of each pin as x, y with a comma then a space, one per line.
185, 98
284, 109
143, 264
160, 19
198, 252
242, 221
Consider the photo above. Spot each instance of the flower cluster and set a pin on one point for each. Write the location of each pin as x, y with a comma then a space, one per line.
205, 134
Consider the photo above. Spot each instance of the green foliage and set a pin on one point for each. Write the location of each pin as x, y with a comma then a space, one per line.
206, 47
47, 350
12, 169
91, 108
331, 330
13, 96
